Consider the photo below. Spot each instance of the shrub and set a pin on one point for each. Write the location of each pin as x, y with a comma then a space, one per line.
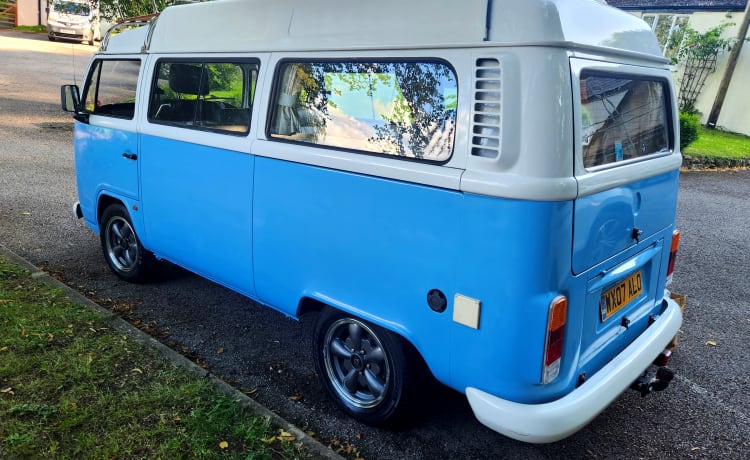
689, 126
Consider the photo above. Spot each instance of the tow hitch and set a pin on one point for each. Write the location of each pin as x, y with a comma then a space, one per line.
653, 382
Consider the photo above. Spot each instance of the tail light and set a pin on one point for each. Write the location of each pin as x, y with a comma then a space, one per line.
553, 345
673, 254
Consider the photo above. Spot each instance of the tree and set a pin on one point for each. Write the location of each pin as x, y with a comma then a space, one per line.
119, 9
697, 53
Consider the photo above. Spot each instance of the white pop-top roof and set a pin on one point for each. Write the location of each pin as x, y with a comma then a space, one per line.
298, 25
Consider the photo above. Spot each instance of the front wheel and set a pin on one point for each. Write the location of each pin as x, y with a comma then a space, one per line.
363, 367
123, 251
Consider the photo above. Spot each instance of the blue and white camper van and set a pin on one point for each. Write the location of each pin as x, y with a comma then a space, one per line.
484, 188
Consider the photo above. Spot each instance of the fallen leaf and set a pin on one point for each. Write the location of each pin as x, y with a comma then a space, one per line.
4, 349
177, 418
711, 343
220, 350
223, 444
7, 391
359, 436
26, 213
296, 397
286, 436
137, 371
694, 449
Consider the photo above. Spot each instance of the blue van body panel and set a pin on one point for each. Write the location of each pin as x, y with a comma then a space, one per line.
371, 246
101, 168
376, 247
515, 258
197, 203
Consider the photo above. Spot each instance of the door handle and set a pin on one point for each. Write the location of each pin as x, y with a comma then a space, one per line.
130, 156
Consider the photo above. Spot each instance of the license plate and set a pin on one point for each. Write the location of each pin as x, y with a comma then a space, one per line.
68, 31
616, 297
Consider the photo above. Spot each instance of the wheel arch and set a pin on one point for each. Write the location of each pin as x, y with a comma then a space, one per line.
104, 202
131, 206
312, 305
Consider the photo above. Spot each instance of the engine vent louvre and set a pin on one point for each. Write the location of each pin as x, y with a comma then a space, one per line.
485, 131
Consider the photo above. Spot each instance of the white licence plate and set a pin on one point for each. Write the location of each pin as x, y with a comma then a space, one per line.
68, 31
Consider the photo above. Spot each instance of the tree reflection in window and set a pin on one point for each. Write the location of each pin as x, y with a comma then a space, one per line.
406, 109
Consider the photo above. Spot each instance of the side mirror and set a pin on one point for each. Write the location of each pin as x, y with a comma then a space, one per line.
70, 100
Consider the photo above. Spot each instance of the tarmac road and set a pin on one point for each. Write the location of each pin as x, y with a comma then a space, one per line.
705, 413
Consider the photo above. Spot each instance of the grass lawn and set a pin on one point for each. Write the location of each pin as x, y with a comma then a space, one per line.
73, 387
719, 144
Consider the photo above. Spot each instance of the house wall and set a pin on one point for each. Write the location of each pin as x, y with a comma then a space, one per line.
735, 115
29, 12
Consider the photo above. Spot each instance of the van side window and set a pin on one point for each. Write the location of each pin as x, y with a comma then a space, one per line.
215, 96
405, 109
111, 89
622, 118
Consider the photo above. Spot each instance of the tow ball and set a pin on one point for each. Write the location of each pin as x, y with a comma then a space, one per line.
653, 381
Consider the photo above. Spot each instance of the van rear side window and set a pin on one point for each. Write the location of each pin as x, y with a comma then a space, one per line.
622, 118
405, 109
215, 96
112, 88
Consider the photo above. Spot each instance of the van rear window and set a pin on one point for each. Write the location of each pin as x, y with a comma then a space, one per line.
405, 109
622, 118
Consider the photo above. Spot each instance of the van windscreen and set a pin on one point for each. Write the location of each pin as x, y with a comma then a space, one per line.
622, 118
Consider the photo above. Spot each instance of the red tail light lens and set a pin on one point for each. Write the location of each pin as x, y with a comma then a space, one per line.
673, 253
553, 346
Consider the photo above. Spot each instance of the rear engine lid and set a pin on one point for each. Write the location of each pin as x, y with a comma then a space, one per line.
609, 222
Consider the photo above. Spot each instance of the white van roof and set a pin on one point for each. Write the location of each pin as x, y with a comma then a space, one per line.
304, 25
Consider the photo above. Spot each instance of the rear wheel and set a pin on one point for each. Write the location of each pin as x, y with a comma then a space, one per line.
363, 367
122, 249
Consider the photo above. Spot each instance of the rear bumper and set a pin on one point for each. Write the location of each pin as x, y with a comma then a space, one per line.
549, 422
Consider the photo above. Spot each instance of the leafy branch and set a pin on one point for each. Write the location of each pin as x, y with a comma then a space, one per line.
696, 45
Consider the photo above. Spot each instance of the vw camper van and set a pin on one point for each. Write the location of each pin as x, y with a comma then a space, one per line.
482, 189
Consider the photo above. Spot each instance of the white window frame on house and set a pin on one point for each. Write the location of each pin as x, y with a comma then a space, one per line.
654, 19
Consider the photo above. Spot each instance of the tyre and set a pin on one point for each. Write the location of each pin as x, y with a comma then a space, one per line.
122, 249
364, 368
50, 38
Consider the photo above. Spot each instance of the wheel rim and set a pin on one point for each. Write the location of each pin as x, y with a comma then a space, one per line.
356, 363
122, 244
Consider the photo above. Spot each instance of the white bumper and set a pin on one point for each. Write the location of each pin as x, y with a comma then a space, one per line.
552, 421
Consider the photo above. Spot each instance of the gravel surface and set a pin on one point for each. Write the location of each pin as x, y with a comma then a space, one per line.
705, 413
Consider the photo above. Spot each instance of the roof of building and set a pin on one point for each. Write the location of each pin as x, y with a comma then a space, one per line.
680, 5
299, 25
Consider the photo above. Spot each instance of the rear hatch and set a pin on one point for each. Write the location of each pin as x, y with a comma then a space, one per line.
624, 216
